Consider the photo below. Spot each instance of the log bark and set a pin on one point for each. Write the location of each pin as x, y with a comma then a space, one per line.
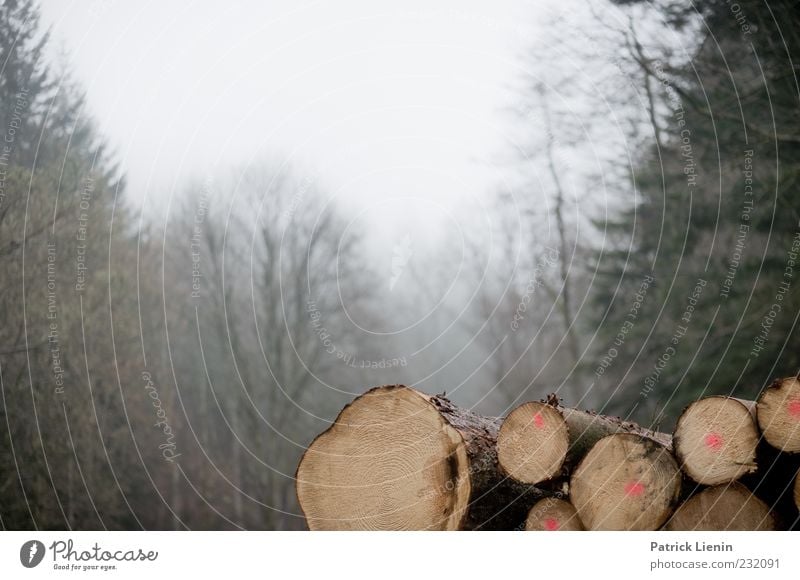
533, 442
774, 484
716, 438
626, 482
726, 507
778, 412
797, 491
396, 459
553, 514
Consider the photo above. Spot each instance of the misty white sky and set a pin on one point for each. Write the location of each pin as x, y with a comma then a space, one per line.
387, 102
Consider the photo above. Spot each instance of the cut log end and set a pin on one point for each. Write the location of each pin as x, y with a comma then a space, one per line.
797, 490
727, 507
716, 439
626, 482
533, 442
389, 462
779, 414
551, 515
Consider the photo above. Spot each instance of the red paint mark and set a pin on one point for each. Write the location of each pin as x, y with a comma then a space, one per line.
793, 407
713, 441
634, 488
538, 421
551, 524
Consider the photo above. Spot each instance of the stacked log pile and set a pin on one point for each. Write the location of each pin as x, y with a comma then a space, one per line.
398, 459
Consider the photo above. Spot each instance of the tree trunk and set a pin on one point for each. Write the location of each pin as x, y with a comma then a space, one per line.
716, 439
726, 507
552, 514
779, 414
397, 459
626, 482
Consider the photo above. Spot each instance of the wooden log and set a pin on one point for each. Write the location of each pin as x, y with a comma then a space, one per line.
625, 482
398, 459
773, 483
540, 441
797, 490
533, 442
778, 412
552, 514
716, 438
726, 507
586, 428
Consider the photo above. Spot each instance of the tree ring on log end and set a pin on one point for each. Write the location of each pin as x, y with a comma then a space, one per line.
389, 462
797, 490
726, 507
552, 514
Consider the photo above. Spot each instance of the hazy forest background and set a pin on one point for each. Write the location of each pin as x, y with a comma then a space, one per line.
165, 370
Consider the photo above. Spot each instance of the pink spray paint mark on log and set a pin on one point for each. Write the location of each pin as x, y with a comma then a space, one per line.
793, 407
634, 488
713, 441
538, 421
551, 524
